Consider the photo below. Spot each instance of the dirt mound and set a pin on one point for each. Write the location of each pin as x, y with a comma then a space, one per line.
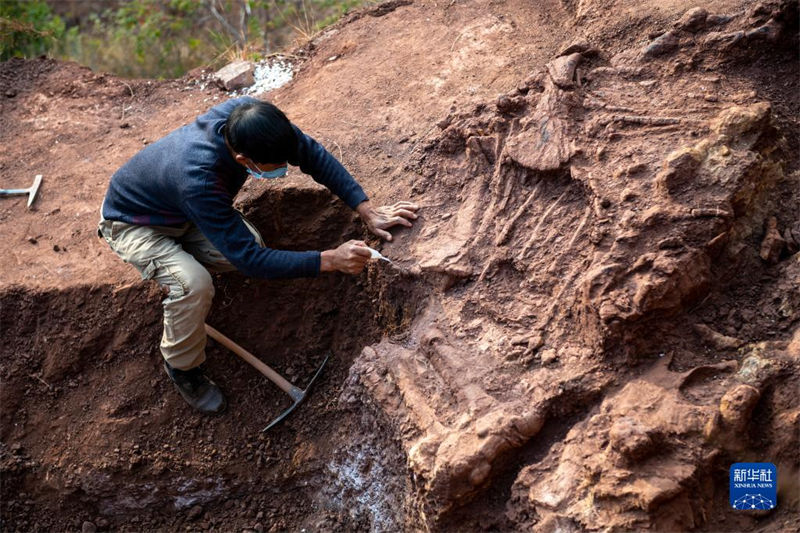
84, 371
595, 316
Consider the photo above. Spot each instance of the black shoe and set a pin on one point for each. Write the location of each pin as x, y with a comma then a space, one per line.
198, 391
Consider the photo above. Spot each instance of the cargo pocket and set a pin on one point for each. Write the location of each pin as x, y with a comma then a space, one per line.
104, 230
109, 230
116, 227
149, 271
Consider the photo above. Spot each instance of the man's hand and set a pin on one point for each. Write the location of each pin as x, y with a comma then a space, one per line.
349, 258
380, 219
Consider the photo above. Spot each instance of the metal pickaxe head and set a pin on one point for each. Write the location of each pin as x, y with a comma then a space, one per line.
30, 191
298, 395
295, 393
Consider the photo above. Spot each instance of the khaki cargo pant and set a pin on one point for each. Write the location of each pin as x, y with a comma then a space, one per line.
178, 258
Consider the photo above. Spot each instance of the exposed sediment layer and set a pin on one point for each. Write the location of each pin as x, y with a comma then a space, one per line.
598, 199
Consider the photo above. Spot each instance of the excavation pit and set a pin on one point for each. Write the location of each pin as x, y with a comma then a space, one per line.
89, 409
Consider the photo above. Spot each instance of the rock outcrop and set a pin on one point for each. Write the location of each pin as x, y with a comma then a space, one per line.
598, 198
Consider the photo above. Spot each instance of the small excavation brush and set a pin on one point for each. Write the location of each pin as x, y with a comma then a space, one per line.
297, 394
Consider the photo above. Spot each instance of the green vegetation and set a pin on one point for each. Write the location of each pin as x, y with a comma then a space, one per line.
28, 28
161, 38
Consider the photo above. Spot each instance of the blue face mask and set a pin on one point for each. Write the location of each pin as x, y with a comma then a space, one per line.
268, 175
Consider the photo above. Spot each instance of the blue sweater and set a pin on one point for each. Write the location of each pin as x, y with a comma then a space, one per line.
190, 175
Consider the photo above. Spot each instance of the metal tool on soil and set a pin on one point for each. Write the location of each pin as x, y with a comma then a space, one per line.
30, 191
297, 394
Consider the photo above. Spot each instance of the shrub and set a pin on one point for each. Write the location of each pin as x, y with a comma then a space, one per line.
27, 28
163, 38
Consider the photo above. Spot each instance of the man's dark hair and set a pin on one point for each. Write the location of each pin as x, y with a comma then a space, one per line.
261, 131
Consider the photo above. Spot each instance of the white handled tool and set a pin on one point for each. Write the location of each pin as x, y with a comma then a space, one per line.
377, 255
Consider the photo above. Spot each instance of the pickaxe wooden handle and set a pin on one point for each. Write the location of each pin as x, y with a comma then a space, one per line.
273, 376
297, 394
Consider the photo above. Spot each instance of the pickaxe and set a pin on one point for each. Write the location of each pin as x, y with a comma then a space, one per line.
297, 394
31, 191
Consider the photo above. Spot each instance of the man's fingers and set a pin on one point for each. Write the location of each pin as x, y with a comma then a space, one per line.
397, 206
391, 221
400, 220
406, 205
355, 269
405, 213
361, 251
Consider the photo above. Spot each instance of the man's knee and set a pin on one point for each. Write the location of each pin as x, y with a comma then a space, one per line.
191, 281
200, 283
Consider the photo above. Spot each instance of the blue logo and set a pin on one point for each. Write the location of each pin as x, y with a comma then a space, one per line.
753, 486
